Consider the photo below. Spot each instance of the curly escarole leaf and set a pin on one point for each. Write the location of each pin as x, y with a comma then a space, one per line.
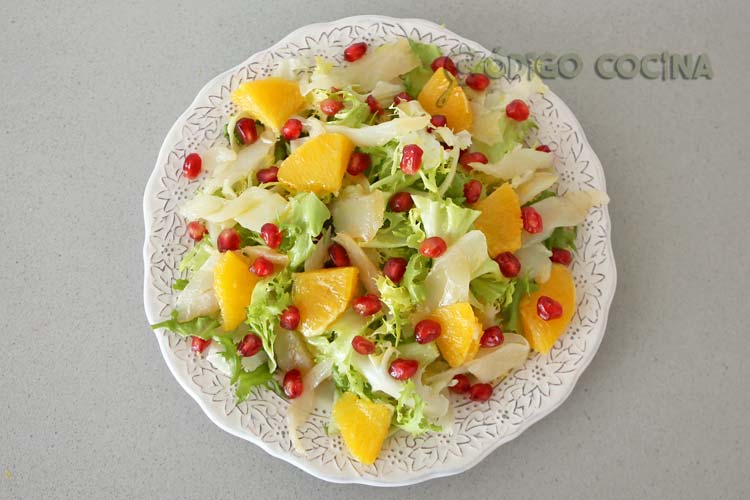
410, 412
415, 79
202, 326
301, 223
562, 237
270, 298
522, 287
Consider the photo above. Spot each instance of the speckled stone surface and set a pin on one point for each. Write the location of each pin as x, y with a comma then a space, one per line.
88, 407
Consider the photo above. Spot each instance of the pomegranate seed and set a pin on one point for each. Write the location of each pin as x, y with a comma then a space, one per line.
509, 264
401, 202
477, 81
411, 159
262, 267
472, 191
198, 345
548, 308
446, 63
293, 386
402, 97
289, 319
403, 369
338, 255
271, 234
433, 247
462, 384
492, 337
517, 110
544, 148
196, 230
330, 107
532, 221
480, 392
362, 345
438, 121
395, 268
246, 130
270, 174
229, 239
355, 51
292, 129
358, 163
192, 166
373, 104
250, 345
427, 330
561, 256
367, 305
467, 157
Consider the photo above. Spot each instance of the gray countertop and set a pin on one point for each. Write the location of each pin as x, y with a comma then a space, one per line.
90, 410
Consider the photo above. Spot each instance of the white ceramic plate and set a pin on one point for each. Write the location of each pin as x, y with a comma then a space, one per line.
523, 398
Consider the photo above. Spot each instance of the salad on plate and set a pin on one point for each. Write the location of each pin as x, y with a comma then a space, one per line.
379, 237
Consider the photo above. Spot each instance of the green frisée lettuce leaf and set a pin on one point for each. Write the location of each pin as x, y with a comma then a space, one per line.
562, 237
507, 137
414, 278
244, 380
356, 112
444, 218
492, 289
270, 298
399, 230
202, 326
522, 286
415, 79
196, 256
410, 412
301, 223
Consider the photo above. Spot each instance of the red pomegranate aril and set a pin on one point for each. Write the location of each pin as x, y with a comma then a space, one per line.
509, 264
292, 384
367, 305
373, 104
199, 345
438, 121
362, 345
492, 337
246, 131
395, 268
403, 369
401, 202
292, 129
338, 255
355, 51
330, 107
480, 392
192, 166
532, 221
561, 256
271, 234
433, 247
250, 345
467, 157
196, 230
358, 163
289, 319
427, 330
446, 63
402, 97
461, 384
544, 148
477, 81
270, 174
517, 110
411, 159
548, 308
472, 191
262, 267
228, 240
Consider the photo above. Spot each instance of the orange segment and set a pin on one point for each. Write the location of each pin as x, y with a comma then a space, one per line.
460, 333
318, 165
541, 334
322, 296
442, 95
500, 220
364, 425
233, 286
271, 100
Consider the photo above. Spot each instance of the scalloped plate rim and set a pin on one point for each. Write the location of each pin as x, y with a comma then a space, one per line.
301, 463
